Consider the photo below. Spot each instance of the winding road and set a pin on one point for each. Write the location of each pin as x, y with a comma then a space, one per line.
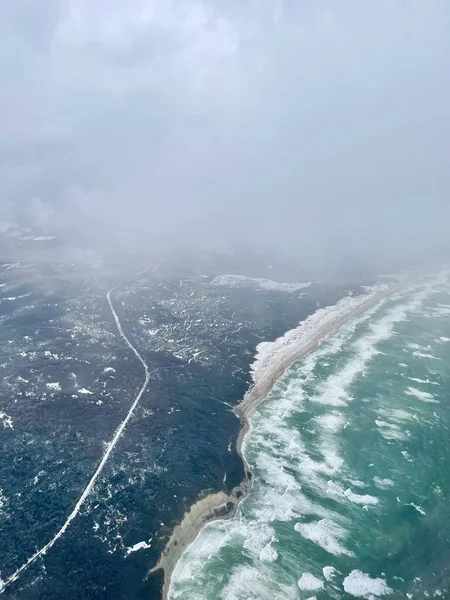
88, 489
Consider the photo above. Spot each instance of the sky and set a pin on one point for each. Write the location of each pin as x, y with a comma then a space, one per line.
317, 126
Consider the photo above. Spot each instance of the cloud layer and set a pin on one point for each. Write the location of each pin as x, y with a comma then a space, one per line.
317, 126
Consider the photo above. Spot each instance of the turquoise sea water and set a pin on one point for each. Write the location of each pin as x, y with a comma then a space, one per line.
350, 454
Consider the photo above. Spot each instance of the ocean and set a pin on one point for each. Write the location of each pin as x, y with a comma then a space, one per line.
351, 469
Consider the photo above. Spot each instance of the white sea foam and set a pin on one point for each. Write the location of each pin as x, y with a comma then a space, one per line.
6, 420
207, 545
85, 392
359, 584
56, 387
356, 483
335, 390
390, 431
275, 435
37, 477
441, 310
331, 456
249, 583
258, 282
292, 342
396, 414
364, 499
283, 463
282, 446
332, 421
329, 573
138, 546
415, 346
281, 498
418, 380
383, 483
310, 583
425, 355
268, 553
421, 395
417, 507
326, 534
337, 490
258, 537
407, 456
3, 502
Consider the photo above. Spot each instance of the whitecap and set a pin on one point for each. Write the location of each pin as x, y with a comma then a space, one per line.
336, 489
324, 319
249, 583
268, 553
310, 583
54, 386
139, 546
361, 498
85, 392
325, 534
258, 537
418, 380
335, 390
6, 420
421, 395
396, 414
329, 573
407, 456
360, 585
383, 483
417, 507
425, 355
390, 431
331, 421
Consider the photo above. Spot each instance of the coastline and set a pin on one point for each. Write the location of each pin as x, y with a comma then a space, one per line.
296, 344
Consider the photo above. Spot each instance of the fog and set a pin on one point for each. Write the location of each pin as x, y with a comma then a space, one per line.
317, 127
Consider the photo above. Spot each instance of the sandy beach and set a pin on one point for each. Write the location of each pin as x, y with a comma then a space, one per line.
270, 366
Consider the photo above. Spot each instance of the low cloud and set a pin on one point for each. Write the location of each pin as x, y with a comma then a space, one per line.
315, 127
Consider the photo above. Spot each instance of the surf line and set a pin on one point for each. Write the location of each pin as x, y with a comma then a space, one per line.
88, 489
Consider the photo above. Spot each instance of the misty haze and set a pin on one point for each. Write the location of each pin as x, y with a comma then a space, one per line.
224, 299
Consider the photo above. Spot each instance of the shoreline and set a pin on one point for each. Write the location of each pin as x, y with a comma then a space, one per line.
219, 505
